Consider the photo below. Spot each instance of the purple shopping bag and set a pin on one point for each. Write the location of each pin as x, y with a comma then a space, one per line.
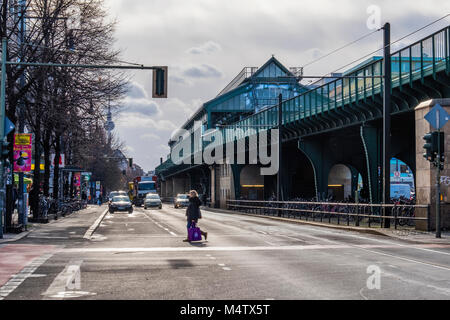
194, 233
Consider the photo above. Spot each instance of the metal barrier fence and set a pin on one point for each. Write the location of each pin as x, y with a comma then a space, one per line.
359, 215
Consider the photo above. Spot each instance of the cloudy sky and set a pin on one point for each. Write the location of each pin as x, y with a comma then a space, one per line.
206, 43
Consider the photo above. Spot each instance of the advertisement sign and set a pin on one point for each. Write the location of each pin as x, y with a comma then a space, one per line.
22, 152
77, 179
97, 185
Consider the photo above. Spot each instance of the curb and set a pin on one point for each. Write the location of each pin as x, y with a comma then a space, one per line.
339, 227
16, 237
94, 227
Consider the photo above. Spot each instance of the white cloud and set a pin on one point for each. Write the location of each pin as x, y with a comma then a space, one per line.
206, 48
202, 71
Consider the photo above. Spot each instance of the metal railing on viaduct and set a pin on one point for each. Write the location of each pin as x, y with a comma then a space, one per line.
350, 214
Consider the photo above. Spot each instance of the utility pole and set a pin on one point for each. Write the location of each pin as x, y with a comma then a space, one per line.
280, 151
2, 134
438, 183
387, 123
20, 193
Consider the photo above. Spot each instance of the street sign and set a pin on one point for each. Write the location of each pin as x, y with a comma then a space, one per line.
437, 117
9, 126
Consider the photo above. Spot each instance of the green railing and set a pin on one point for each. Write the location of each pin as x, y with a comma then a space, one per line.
422, 59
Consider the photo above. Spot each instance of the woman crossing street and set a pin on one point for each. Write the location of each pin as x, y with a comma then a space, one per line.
193, 213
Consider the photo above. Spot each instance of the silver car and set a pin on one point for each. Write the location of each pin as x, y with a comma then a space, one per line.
182, 200
152, 201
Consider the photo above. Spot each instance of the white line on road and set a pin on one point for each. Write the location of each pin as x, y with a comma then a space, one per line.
63, 280
94, 227
157, 223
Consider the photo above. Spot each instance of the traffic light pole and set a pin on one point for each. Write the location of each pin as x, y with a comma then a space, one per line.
387, 123
2, 134
438, 188
280, 153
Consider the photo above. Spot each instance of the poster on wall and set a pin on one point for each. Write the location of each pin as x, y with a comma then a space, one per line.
22, 152
77, 179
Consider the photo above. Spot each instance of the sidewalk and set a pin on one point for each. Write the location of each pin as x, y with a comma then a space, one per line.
414, 236
71, 226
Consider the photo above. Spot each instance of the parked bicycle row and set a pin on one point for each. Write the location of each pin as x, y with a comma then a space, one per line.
48, 206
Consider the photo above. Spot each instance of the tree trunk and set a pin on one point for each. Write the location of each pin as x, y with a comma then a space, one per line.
56, 170
47, 148
34, 195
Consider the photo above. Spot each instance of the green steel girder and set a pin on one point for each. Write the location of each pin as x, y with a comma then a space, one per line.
353, 111
321, 162
370, 138
408, 102
327, 120
321, 121
355, 176
345, 115
364, 111
429, 86
412, 96
420, 91
333, 118
377, 101
368, 109
236, 169
337, 115
357, 111
444, 81
395, 104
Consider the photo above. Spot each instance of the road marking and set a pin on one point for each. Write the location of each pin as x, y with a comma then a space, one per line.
159, 225
190, 249
226, 269
422, 247
17, 279
66, 282
94, 227
47, 237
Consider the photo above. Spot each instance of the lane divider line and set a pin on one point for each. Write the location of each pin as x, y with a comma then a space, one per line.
159, 225
93, 228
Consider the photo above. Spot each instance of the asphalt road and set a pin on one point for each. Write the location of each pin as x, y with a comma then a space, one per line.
142, 256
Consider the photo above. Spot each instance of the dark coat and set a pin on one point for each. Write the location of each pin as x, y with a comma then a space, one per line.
193, 209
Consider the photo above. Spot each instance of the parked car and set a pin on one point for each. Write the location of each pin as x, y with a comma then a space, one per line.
152, 201
182, 200
120, 203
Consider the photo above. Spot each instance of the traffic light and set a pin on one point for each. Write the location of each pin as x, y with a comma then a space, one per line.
5, 153
429, 148
160, 82
130, 162
434, 146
